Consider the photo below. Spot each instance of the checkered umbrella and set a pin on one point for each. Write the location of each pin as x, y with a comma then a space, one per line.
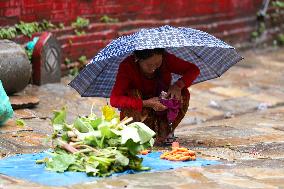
211, 55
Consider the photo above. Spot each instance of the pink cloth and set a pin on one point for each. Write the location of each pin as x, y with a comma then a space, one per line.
173, 106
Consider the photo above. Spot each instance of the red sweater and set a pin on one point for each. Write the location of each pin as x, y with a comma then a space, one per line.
129, 77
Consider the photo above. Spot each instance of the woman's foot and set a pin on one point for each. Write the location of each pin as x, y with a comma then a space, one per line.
163, 142
170, 139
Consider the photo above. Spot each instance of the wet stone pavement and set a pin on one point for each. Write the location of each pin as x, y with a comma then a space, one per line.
237, 119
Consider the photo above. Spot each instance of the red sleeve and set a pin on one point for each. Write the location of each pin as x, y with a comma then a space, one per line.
119, 98
187, 70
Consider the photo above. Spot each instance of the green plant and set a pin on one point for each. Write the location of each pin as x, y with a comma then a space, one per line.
254, 34
260, 30
80, 23
28, 28
29, 52
83, 59
61, 26
79, 32
24, 28
107, 19
280, 39
74, 71
279, 4
45, 25
67, 61
8, 33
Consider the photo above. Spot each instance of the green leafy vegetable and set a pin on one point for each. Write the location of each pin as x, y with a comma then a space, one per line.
98, 146
60, 162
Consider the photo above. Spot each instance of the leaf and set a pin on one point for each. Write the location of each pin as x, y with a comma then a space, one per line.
121, 159
82, 126
106, 131
151, 142
117, 132
60, 162
57, 127
91, 169
96, 123
59, 116
112, 142
20, 122
77, 167
82, 136
144, 132
91, 140
65, 137
134, 147
129, 133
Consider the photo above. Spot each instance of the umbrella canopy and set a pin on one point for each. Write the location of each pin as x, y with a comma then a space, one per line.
211, 55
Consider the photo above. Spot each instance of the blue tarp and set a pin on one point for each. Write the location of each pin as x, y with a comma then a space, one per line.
24, 167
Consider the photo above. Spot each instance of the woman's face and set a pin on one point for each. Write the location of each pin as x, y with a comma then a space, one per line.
150, 65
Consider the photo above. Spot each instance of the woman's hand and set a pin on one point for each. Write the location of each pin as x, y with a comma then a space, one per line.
154, 103
174, 92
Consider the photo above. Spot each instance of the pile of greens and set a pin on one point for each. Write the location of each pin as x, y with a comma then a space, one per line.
98, 146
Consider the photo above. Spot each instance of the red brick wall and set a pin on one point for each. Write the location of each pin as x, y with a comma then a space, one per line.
231, 20
12, 11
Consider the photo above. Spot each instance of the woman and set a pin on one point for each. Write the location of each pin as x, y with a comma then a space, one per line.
140, 80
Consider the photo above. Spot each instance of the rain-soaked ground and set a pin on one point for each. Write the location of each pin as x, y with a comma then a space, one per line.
237, 119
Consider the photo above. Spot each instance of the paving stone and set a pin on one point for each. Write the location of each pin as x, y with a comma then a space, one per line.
25, 139
229, 154
23, 101
260, 163
199, 115
270, 100
204, 86
246, 129
11, 126
24, 114
279, 128
238, 105
230, 91
273, 150
12, 183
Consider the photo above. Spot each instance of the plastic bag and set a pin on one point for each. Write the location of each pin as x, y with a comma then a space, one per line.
6, 110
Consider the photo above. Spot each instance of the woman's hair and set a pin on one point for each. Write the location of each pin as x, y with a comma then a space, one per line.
147, 53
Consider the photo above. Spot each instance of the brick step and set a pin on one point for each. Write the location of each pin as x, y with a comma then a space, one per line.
102, 35
128, 27
133, 25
